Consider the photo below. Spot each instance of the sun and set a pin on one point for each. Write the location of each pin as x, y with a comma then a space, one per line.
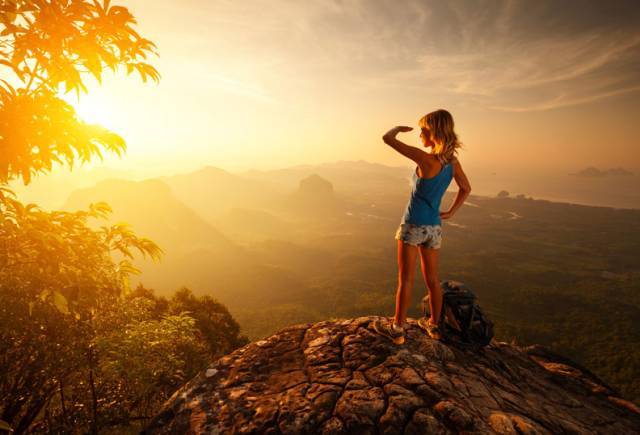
94, 111
93, 108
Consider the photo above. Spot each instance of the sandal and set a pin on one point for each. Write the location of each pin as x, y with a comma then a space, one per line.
433, 329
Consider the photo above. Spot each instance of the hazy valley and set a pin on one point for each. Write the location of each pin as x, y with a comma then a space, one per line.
314, 242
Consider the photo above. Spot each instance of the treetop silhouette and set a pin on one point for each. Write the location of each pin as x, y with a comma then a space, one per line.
49, 47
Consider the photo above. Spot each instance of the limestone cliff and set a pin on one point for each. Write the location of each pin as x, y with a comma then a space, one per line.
340, 377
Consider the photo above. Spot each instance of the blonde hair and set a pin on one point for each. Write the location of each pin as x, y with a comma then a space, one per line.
440, 123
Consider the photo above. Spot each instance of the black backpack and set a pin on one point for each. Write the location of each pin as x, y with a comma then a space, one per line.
476, 330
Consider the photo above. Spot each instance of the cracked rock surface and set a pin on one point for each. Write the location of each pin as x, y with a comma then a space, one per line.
339, 377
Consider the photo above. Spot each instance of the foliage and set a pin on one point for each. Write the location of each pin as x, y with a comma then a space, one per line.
56, 254
215, 323
121, 353
53, 264
64, 375
80, 352
138, 361
52, 45
38, 351
113, 363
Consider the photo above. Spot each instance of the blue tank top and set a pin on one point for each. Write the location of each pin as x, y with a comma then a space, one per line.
423, 207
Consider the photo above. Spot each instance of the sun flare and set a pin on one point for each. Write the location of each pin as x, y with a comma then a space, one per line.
95, 107
91, 110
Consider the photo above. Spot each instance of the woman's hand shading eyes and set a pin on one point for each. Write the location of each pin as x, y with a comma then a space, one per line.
404, 128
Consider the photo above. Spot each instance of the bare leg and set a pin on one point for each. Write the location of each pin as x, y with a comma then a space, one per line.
452, 320
407, 255
429, 260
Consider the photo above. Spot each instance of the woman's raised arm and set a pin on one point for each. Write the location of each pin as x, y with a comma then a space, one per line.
415, 154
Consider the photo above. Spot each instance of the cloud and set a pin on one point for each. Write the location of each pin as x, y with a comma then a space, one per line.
564, 100
512, 55
539, 74
505, 56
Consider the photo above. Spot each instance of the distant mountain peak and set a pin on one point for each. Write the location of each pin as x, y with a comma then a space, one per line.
213, 169
315, 184
340, 377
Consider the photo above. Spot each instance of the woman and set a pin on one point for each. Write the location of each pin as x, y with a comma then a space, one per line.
420, 229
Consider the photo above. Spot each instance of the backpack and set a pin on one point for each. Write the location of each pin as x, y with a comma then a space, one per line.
476, 329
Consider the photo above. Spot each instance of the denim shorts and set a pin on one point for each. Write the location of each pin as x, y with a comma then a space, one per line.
429, 236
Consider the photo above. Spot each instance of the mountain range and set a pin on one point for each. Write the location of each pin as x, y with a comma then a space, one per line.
308, 243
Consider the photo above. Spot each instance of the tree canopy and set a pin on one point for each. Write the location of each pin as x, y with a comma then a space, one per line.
49, 48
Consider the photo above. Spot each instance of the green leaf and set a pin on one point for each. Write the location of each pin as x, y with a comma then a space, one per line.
5, 426
61, 303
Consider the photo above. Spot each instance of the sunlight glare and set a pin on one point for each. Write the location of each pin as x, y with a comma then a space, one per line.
95, 108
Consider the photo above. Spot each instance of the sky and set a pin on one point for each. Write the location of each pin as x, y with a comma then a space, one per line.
532, 85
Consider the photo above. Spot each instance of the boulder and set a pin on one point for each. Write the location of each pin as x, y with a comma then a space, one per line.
340, 377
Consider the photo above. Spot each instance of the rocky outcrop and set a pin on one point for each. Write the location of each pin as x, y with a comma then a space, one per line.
315, 185
314, 200
339, 377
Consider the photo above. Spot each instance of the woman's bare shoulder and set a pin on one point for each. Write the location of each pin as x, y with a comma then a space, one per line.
430, 159
430, 165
